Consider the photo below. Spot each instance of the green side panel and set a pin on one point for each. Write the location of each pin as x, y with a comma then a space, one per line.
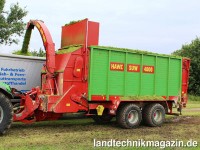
98, 80
174, 77
162, 76
133, 79
116, 78
148, 79
164, 81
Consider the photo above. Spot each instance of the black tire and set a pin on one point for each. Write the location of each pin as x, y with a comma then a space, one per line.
6, 113
153, 115
129, 116
105, 118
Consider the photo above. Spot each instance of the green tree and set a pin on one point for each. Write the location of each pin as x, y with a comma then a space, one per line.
11, 23
192, 51
40, 53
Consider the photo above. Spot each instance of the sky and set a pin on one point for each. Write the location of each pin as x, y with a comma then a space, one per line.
160, 26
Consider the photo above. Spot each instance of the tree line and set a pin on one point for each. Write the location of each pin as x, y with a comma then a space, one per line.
192, 51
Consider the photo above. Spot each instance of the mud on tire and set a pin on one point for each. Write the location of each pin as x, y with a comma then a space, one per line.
6, 113
153, 115
129, 116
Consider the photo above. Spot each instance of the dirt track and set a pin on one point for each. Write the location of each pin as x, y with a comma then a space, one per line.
184, 120
80, 133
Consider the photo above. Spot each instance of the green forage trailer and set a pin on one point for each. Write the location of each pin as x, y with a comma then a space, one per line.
118, 72
143, 85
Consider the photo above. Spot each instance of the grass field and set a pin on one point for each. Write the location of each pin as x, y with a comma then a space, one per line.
78, 134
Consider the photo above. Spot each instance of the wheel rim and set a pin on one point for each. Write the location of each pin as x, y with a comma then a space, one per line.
133, 116
157, 115
1, 114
